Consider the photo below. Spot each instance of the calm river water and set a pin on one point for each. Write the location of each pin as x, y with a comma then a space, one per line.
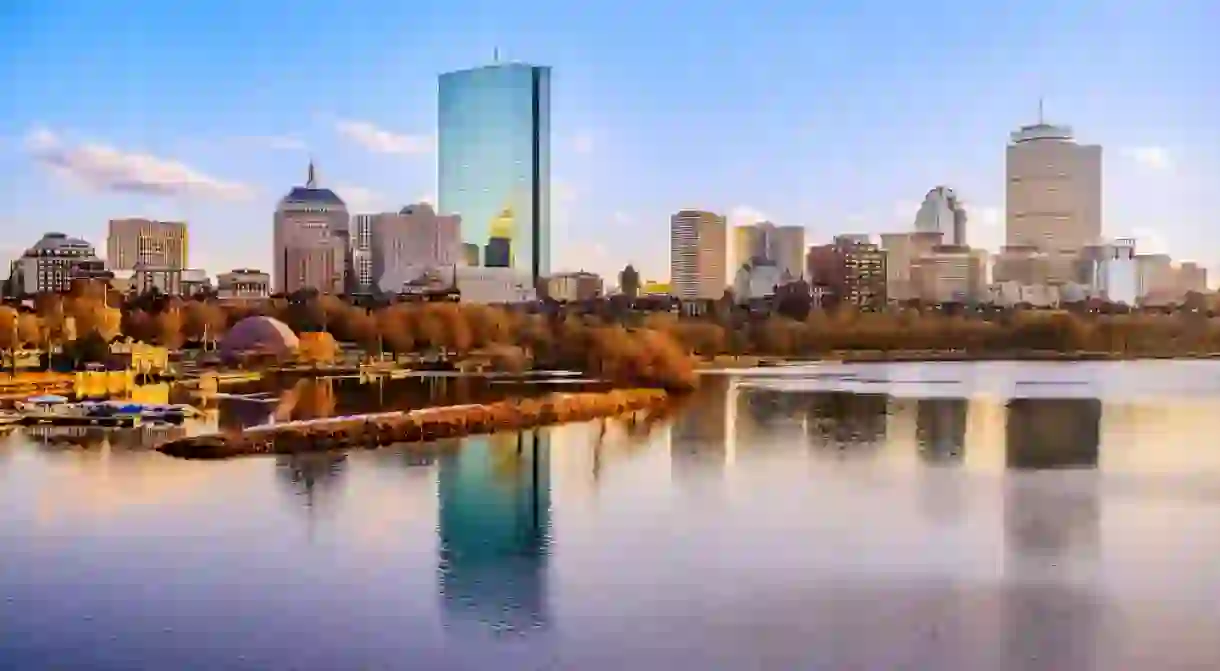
939, 516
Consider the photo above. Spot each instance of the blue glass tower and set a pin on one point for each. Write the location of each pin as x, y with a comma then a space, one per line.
494, 161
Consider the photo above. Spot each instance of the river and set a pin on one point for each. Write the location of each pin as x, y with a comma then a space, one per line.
875, 516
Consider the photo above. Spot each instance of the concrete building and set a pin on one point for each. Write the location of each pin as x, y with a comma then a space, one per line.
1191, 277
1109, 271
1012, 294
901, 251
572, 287
243, 283
1154, 276
130, 242
494, 156
752, 282
951, 274
942, 212
697, 252
852, 269
52, 263
311, 240
165, 279
765, 243
412, 237
1053, 190
473, 284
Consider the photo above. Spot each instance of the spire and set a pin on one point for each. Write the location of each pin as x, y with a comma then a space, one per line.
495, 58
1041, 119
311, 182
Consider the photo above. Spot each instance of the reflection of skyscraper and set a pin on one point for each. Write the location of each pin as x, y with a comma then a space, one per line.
495, 146
1053, 432
1051, 526
494, 523
699, 437
940, 428
842, 419
312, 476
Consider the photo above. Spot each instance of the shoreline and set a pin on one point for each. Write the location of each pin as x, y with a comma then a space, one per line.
380, 429
721, 364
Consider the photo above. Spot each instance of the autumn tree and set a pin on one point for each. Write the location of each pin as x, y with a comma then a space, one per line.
167, 328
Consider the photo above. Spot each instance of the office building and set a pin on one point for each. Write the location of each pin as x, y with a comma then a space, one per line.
942, 212
697, 252
1191, 277
1154, 277
494, 158
1053, 190
851, 269
765, 243
131, 242
311, 240
52, 263
950, 274
901, 251
414, 236
1110, 271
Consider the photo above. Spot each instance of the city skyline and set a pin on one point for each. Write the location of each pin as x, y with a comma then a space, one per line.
630, 149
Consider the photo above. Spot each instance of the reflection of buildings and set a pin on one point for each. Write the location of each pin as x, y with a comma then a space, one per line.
940, 428
843, 419
495, 498
700, 436
1051, 528
1052, 432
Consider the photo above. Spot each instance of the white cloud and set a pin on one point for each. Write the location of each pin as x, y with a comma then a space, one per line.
1151, 157
382, 141
988, 216
362, 200
744, 215
102, 167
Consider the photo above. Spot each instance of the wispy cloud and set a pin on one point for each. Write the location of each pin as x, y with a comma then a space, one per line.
103, 167
1151, 157
383, 141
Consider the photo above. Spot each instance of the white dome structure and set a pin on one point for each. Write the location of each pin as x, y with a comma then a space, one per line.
264, 335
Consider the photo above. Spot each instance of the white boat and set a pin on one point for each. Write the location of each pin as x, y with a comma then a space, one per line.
50, 405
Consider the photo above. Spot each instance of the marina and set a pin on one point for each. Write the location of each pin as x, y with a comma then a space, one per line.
55, 410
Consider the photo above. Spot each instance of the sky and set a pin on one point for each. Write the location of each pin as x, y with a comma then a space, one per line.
838, 116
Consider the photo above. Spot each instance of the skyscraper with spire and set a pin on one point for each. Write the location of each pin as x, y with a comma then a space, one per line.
310, 240
494, 156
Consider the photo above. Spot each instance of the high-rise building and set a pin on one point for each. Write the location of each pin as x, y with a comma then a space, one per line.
942, 212
415, 237
901, 252
764, 243
494, 157
697, 242
1053, 190
311, 240
146, 242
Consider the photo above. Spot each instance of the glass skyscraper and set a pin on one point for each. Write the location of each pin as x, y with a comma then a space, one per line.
494, 166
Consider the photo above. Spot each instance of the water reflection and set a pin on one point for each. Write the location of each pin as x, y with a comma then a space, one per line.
1053, 432
312, 478
846, 421
701, 434
494, 525
940, 429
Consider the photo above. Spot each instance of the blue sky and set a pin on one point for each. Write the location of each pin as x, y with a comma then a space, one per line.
836, 116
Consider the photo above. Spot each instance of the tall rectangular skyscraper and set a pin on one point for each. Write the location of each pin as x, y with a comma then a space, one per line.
1053, 190
494, 161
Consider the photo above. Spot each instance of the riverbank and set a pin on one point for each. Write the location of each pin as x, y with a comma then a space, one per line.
915, 356
386, 428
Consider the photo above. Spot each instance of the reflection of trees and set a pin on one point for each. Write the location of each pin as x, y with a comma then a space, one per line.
699, 434
494, 521
309, 398
940, 428
1053, 432
312, 477
844, 419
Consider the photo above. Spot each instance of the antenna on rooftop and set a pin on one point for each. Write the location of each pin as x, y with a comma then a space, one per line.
495, 56
1040, 116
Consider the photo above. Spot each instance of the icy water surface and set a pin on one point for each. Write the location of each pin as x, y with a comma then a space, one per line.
944, 516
